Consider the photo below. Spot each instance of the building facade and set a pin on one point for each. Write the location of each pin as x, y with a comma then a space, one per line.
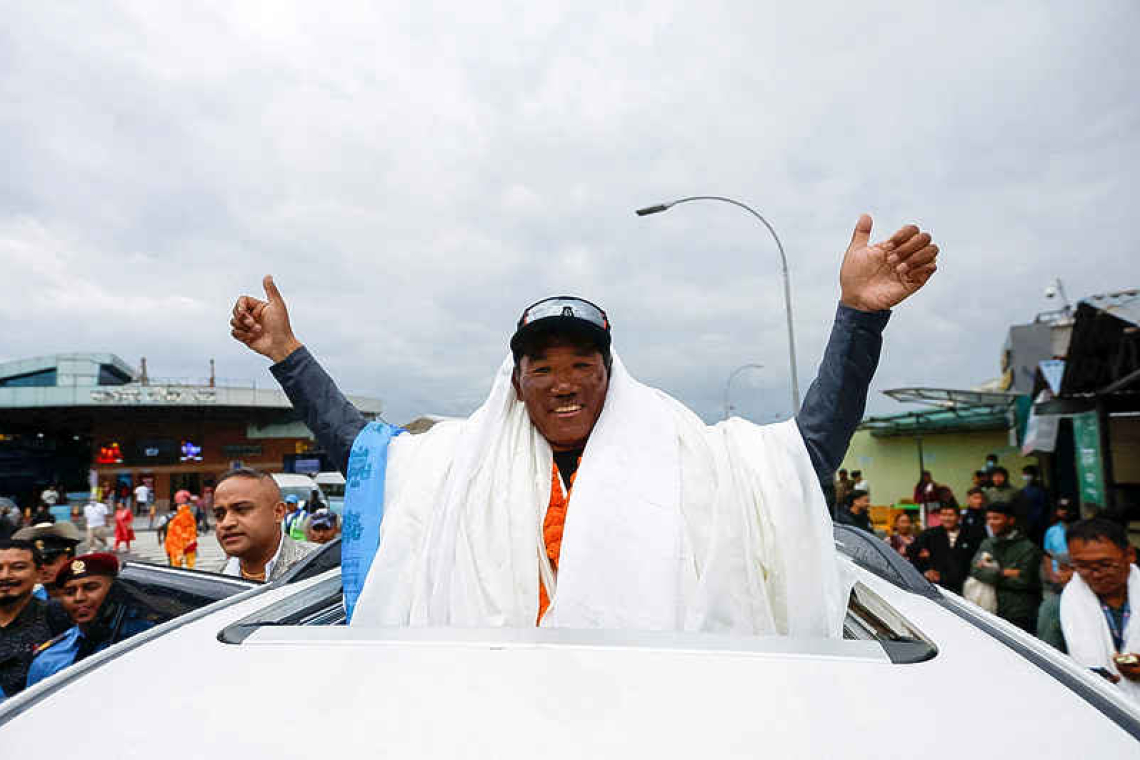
84, 421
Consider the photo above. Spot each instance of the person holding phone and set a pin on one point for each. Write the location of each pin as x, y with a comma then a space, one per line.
1101, 631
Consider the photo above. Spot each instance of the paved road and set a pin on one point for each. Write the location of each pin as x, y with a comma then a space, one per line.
146, 548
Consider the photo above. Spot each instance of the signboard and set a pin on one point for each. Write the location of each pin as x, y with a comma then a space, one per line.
1090, 459
150, 451
307, 466
242, 450
1053, 370
1041, 430
191, 452
109, 453
154, 394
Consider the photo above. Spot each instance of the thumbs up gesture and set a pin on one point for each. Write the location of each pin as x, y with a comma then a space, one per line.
880, 276
264, 325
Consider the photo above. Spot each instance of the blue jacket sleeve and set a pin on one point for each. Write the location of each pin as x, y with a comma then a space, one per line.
835, 401
332, 418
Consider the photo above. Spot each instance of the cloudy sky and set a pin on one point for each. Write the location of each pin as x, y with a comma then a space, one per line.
413, 174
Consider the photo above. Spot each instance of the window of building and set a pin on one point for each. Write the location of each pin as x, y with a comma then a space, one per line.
45, 378
112, 375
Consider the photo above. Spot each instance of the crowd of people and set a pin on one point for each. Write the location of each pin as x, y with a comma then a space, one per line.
1026, 558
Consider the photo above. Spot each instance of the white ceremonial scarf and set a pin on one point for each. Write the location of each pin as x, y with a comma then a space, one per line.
1086, 631
672, 524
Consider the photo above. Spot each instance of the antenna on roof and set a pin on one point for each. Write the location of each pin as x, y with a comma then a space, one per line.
211, 373
143, 379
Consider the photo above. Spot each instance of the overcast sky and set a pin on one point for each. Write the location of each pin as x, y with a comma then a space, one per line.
415, 174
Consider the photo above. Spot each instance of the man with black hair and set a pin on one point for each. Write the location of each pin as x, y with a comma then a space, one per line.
856, 511
462, 504
90, 593
999, 489
943, 553
1100, 627
991, 463
974, 516
1011, 563
25, 621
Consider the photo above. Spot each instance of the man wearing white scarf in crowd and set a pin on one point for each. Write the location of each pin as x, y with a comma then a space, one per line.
1101, 632
673, 525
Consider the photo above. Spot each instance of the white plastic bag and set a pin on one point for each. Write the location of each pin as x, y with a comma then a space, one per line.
980, 593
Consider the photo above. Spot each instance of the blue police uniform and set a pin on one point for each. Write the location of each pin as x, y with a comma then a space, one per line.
56, 654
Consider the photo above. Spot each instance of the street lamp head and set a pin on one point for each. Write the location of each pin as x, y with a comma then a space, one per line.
653, 209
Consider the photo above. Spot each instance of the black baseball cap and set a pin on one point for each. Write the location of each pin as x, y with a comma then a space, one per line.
562, 314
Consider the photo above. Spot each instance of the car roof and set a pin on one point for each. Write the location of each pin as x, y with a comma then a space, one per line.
505, 692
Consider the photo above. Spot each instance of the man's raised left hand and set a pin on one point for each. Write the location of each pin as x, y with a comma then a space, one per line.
880, 276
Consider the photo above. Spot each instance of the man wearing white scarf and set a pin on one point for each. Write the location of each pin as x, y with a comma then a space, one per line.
673, 525
1101, 631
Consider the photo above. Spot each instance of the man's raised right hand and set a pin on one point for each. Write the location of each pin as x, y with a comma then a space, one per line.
264, 325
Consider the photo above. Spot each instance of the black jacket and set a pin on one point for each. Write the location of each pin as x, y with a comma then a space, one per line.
951, 562
974, 525
845, 516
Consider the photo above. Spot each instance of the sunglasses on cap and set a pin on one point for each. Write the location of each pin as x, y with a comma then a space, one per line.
565, 306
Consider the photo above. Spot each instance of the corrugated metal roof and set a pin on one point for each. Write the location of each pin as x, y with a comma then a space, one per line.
939, 421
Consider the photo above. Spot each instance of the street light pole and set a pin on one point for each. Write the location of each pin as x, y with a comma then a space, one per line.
728, 383
658, 208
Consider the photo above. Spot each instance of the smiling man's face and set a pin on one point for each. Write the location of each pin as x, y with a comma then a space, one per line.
564, 388
18, 573
82, 597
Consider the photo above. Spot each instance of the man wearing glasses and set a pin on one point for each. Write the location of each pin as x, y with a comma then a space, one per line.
1097, 619
673, 524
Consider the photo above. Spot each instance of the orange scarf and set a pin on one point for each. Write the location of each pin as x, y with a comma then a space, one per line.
552, 527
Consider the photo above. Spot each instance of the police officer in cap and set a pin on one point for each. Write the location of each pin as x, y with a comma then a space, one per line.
93, 599
56, 544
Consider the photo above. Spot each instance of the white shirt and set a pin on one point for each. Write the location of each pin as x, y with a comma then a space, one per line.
142, 494
96, 514
863, 485
233, 566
